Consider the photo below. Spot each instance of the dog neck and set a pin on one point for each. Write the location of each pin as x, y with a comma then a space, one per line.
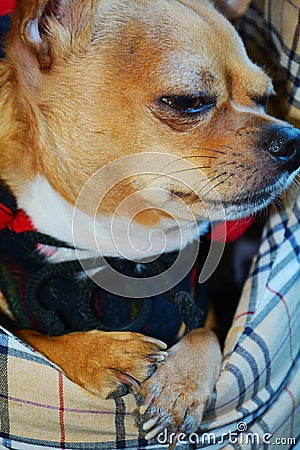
39, 286
51, 214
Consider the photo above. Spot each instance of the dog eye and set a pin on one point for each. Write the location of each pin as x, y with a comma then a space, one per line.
189, 104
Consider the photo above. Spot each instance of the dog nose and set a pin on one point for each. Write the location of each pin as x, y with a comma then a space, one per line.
283, 143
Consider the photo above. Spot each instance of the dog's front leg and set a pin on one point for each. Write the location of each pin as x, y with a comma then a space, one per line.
178, 392
104, 363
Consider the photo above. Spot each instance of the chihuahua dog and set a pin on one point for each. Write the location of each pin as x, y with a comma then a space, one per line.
85, 83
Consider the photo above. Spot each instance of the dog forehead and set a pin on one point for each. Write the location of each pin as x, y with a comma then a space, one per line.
170, 40
167, 22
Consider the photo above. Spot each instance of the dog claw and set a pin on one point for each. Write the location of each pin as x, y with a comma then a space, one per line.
143, 409
150, 423
127, 379
145, 406
154, 432
157, 342
158, 357
188, 426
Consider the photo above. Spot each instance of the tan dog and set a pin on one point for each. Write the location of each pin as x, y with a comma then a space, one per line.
85, 82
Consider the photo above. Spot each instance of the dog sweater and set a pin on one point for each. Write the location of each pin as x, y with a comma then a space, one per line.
54, 298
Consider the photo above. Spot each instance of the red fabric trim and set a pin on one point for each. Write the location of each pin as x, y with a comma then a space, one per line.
21, 222
18, 221
6, 216
223, 232
231, 230
6, 6
61, 410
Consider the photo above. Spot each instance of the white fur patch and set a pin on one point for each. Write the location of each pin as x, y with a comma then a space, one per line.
52, 215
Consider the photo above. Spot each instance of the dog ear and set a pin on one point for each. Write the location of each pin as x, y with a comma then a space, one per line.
30, 26
232, 9
44, 33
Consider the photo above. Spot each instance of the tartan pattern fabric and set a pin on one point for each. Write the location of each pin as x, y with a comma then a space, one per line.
41, 408
259, 383
271, 29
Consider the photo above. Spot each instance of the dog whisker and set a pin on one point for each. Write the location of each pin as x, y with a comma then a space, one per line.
169, 174
189, 156
182, 158
188, 169
242, 131
227, 146
205, 149
200, 194
222, 166
210, 181
218, 184
278, 202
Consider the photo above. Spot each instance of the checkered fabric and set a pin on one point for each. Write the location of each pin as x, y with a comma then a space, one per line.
259, 386
271, 30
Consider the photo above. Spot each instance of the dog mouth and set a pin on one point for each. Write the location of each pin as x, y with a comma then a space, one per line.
243, 203
253, 201
246, 204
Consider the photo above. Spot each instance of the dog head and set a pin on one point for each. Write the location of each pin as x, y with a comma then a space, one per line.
92, 82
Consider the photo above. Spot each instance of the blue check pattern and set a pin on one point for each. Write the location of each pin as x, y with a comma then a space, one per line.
258, 385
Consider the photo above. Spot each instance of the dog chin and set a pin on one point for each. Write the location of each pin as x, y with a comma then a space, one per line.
249, 204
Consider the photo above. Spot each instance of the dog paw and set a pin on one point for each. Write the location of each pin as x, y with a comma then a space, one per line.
180, 390
127, 360
174, 401
108, 364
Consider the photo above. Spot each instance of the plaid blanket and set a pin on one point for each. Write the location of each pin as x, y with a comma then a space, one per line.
257, 399
260, 374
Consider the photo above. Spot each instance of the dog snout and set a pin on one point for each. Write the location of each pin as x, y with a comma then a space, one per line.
283, 143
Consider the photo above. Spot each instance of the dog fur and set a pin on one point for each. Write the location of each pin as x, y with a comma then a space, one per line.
85, 82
